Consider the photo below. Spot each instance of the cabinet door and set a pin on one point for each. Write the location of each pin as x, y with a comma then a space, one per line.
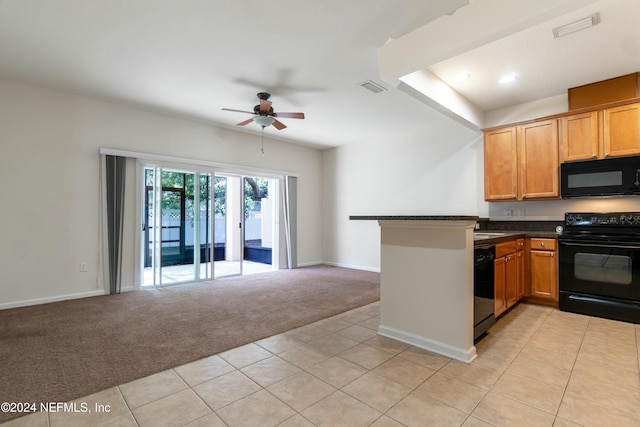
521, 274
511, 285
544, 275
500, 275
580, 137
500, 164
538, 148
621, 130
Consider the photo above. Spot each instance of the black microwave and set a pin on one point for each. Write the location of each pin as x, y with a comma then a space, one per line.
607, 177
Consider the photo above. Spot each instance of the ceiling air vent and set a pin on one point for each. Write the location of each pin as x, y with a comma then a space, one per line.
582, 24
372, 86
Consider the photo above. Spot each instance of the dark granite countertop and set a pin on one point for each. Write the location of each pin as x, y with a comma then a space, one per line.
495, 231
415, 217
504, 236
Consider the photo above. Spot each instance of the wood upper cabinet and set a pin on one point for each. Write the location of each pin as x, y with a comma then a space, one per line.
621, 130
543, 266
538, 153
521, 162
612, 132
580, 137
501, 164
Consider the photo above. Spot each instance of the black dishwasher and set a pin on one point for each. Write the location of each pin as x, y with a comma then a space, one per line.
483, 290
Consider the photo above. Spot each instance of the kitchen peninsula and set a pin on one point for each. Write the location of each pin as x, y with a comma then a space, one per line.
426, 282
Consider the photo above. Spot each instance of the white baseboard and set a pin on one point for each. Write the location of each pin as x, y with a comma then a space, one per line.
36, 301
310, 264
338, 264
461, 354
354, 267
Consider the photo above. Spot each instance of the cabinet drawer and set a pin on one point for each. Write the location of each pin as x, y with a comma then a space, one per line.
505, 248
543, 244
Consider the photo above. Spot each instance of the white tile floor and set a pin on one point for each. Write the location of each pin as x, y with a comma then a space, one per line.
538, 367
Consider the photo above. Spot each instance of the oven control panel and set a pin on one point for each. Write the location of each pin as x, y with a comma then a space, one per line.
618, 219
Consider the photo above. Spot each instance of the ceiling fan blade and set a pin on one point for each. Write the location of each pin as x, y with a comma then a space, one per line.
238, 111
291, 115
278, 125
265, 105
246, 122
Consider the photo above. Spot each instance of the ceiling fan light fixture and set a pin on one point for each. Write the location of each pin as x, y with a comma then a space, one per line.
582, 24
264, 121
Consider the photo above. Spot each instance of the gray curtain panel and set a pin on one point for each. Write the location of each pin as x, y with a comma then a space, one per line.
115, 180
290, 202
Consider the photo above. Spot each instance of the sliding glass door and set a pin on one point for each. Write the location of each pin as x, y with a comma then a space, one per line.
177, 226
245, 224
200, 225
260, 215
229, 252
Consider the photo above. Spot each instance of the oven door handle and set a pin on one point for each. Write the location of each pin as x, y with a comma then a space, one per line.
599, 245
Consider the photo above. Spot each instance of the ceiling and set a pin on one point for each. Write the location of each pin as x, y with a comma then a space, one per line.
548, 66
191, 58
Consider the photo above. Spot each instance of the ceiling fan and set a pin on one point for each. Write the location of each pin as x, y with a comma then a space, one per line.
264, 114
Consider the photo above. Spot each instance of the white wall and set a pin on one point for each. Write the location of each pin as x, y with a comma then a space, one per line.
49, 183
440, 173
527, 111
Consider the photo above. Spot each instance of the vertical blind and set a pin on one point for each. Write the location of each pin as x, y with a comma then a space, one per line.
114, 185
290, 201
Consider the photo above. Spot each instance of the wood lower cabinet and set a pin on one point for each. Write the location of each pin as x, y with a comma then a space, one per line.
521, 270
543, 269
509, 275
500, 284
511, 285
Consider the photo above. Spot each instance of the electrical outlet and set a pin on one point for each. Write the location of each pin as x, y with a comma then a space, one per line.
83, 267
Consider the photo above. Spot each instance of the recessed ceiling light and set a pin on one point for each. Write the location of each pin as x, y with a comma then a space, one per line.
582, 24
461, 77
508, 78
